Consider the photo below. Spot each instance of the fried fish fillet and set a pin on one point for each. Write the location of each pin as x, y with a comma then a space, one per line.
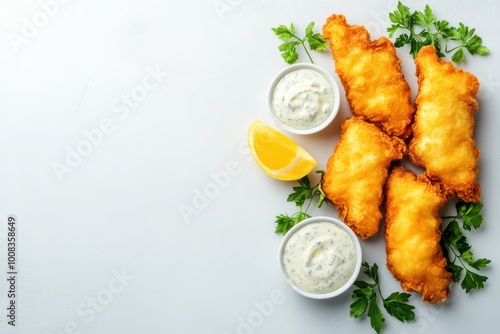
370, 72
355, 174
412, 234
443, 140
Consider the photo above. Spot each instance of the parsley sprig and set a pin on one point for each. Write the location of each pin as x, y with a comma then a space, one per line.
316, 42
301, 193
424, 29
458, 251
397, 304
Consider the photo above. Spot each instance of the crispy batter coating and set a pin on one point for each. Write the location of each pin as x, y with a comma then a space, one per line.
355, 174
370, 72
443, 140
412, 234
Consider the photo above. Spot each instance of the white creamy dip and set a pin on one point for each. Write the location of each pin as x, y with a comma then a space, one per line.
320, 257
303, 99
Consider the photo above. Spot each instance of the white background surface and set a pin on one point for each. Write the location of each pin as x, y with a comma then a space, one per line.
104, 248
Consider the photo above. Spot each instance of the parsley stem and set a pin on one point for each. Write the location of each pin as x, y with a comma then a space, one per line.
310, 199
453, 49
412, 33
304, 46
307, 52
456, 255
415, 36
459, 257
452, 250
379, 291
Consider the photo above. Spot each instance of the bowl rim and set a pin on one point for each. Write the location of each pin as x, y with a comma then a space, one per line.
328, 77
357, 268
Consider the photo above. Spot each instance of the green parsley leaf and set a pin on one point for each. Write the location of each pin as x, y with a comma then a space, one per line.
443, 29
376, 316
458, 56
283, 32
365, 290
422, 28
456, 271
472, 281
470, 213
289, 52
458, 251
371, 272
467, 256
301, 193
479, 263
322, 197
426, 18
402, 39
309, 29
283, 223
480, 50
396, 305
300, 216
453, 236
316, 41
358, 308
288, 49
392, 30
401, 18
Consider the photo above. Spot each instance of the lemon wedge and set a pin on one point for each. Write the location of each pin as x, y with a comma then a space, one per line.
278, 155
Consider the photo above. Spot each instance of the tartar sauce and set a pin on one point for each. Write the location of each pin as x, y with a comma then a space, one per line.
303, 99
320, 257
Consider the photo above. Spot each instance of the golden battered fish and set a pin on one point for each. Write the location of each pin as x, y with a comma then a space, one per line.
371, 75
355, 174
412, 233
443, 140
